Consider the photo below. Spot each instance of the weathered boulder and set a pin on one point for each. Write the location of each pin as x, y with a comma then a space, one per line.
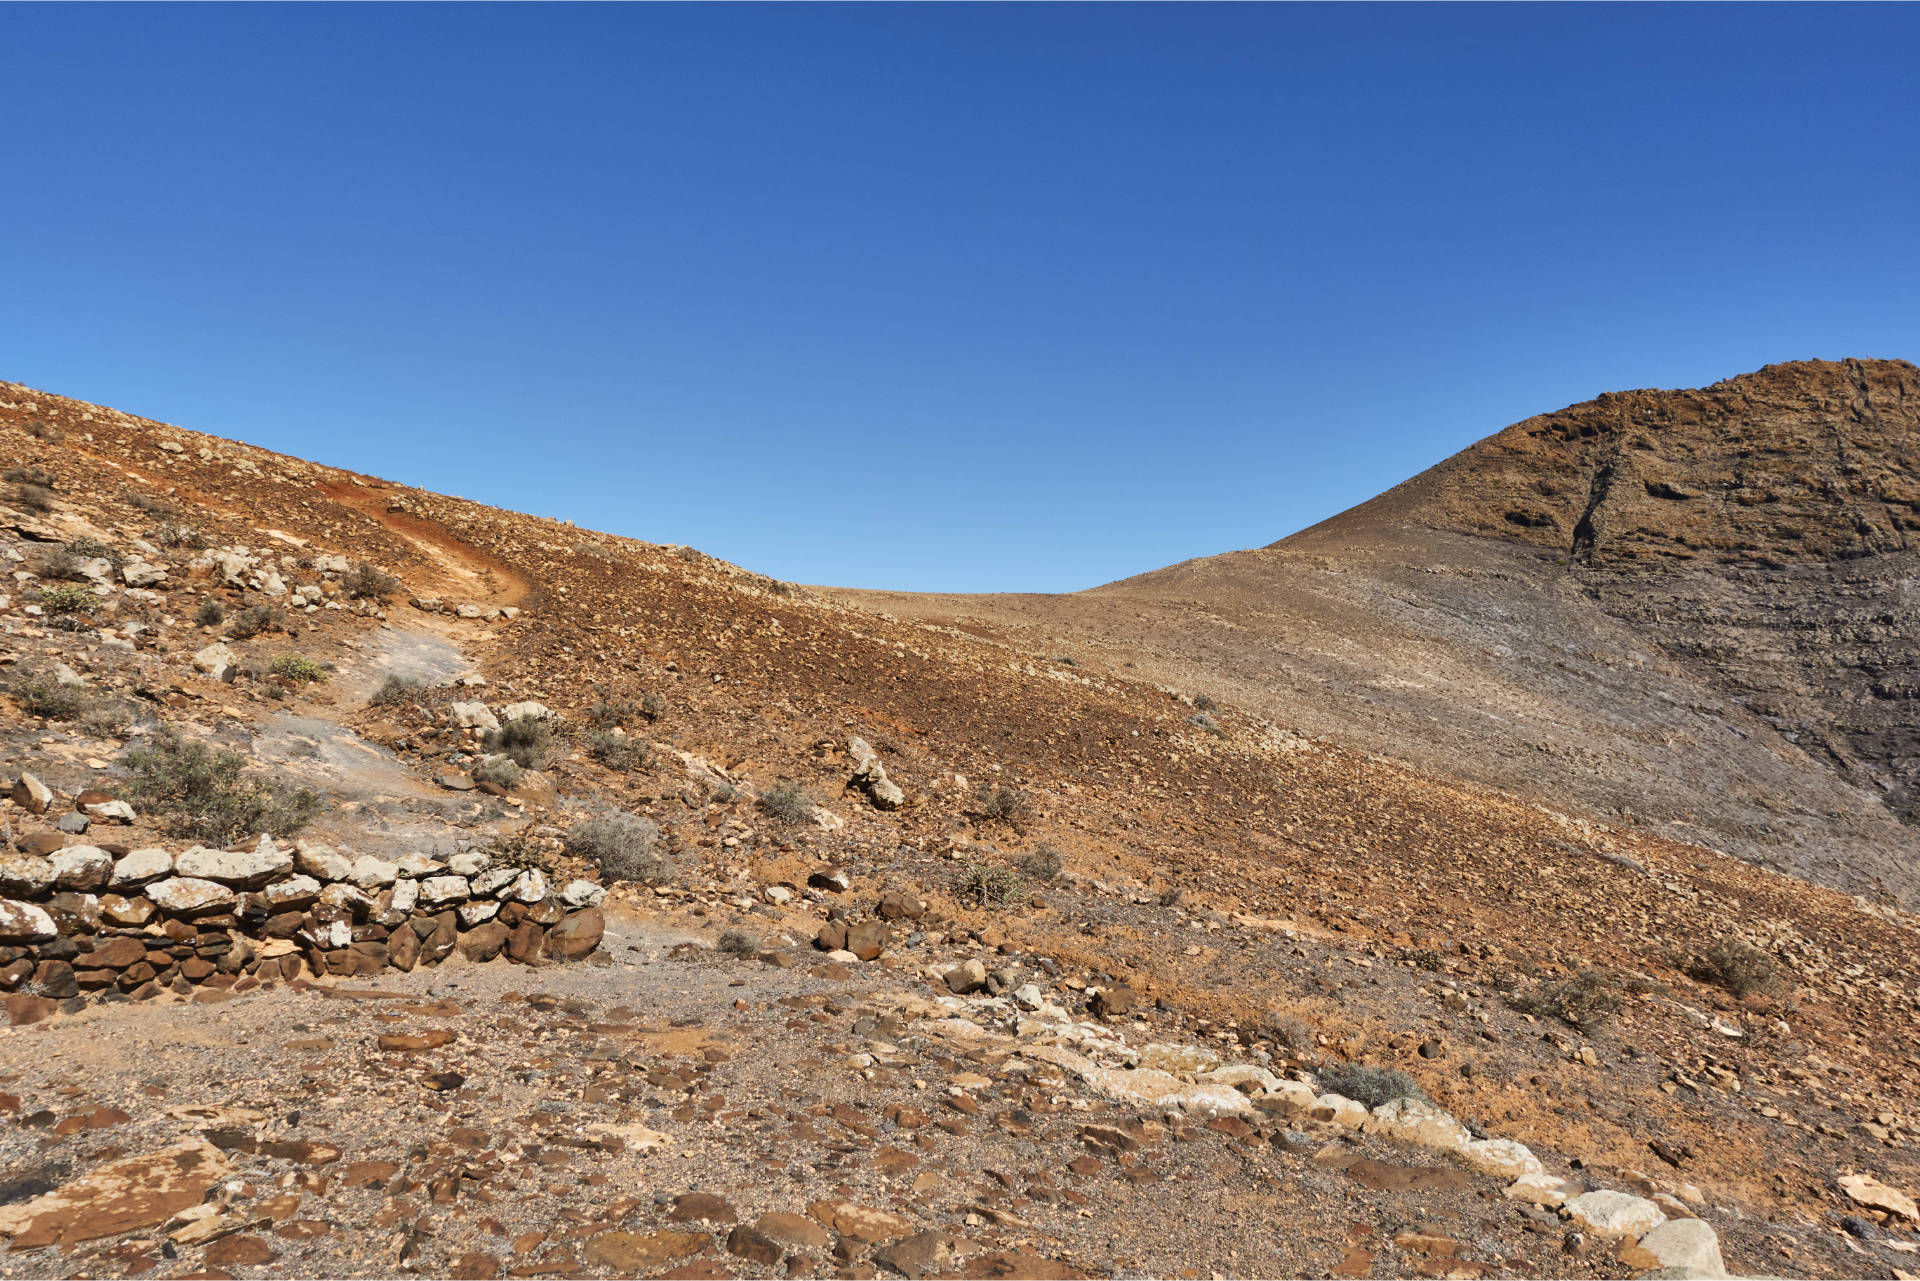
31, 795
247, 869
25, 923
484, 942
444, 889
370, 873
190, 896
137, 867
577, 935
28, 875
322, 861
1420, 1122
474, 715
217, 660
293, 893
1503, 1158
1614, 1216
81, 867
1678, 1248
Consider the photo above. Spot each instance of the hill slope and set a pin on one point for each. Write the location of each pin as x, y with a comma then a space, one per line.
1689, 610
1285, 906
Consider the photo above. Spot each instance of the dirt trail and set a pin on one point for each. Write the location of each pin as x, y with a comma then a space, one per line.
465, 571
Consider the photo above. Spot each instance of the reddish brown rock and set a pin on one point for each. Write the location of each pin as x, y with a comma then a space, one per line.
523, 944
239, 1250
121, 1196
577, 935
483, 942
701, 1207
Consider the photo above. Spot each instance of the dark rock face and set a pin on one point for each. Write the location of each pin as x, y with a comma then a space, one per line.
1764, 531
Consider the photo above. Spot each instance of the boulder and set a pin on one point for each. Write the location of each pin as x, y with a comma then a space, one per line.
469, 863
25, 923
118, 909
190, 896
217, 660
445, 889
109, 811
968, 976
141, 574
247, 869
137, 867
577, 935
472, 914
27, 875
1864, 1189
484, 942
474, 715
370, 873
406, 896
529, 887
322, 861
31, 795
292, 894
526, 711
1614, 1216
1678, 1248
1419, 1122
582, 894
1502, 1158
81, 867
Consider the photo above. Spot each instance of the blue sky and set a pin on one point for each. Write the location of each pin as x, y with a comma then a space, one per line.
967, 297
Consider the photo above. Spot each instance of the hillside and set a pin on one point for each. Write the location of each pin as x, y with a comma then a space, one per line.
1105, 987
1688, 611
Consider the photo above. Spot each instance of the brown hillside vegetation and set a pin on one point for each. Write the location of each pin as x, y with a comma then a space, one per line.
1395, 841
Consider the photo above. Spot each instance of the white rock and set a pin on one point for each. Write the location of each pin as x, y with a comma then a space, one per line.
24, 874
109, 812
1543, 1189
1294, 1096
137, 867
217, 660
292, 893
1685, 1248
189, 896
1418, 1122
527, 711
370, 873
531, 886
778, 895
248, 869
31, 795
81, 867
444, 889
1028, 996
494, 881
141, 574
578, 894
1614, 1216
417, 865
1864, 1189
1151, 1087
478, 911
1237, 1074
469, 863
473, 715
64, 675
1502, 1158
1340, 1110
406, 895
323, 861
25, 923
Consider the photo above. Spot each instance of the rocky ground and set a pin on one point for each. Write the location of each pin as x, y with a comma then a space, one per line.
941, 958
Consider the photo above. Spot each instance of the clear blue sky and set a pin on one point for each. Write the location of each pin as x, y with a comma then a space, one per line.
963, 297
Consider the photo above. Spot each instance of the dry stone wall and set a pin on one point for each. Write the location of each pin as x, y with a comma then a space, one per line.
97, 922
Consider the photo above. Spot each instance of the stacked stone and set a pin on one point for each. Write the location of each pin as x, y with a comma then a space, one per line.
87, 921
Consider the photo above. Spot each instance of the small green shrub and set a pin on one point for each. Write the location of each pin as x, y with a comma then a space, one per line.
737, 943
1372, 1086
58, 563
41, 429
364, 582
39, 476
395, 689
206, 795
786, 803
255, 619
1042, 864
986, 885
1737, 966
1585, 1001
182, 537
609, 712
211, 613
617, 751
108, 717
652, 706
1002, 804
528, 740
1285, 1031
33, 498
499, 770
65, 600
1204, 703
1202, 721
39, 693
92, 548
298, 669
150, 504
625, 847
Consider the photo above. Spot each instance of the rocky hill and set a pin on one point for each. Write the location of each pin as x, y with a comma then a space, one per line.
1691, 611
923, 946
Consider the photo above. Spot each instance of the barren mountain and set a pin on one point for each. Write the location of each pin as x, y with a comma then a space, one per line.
925, 953
1693, 611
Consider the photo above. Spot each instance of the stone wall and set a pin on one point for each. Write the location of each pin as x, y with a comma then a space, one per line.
97, 922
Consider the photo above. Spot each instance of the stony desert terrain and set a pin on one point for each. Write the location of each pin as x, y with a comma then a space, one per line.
1292, 929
